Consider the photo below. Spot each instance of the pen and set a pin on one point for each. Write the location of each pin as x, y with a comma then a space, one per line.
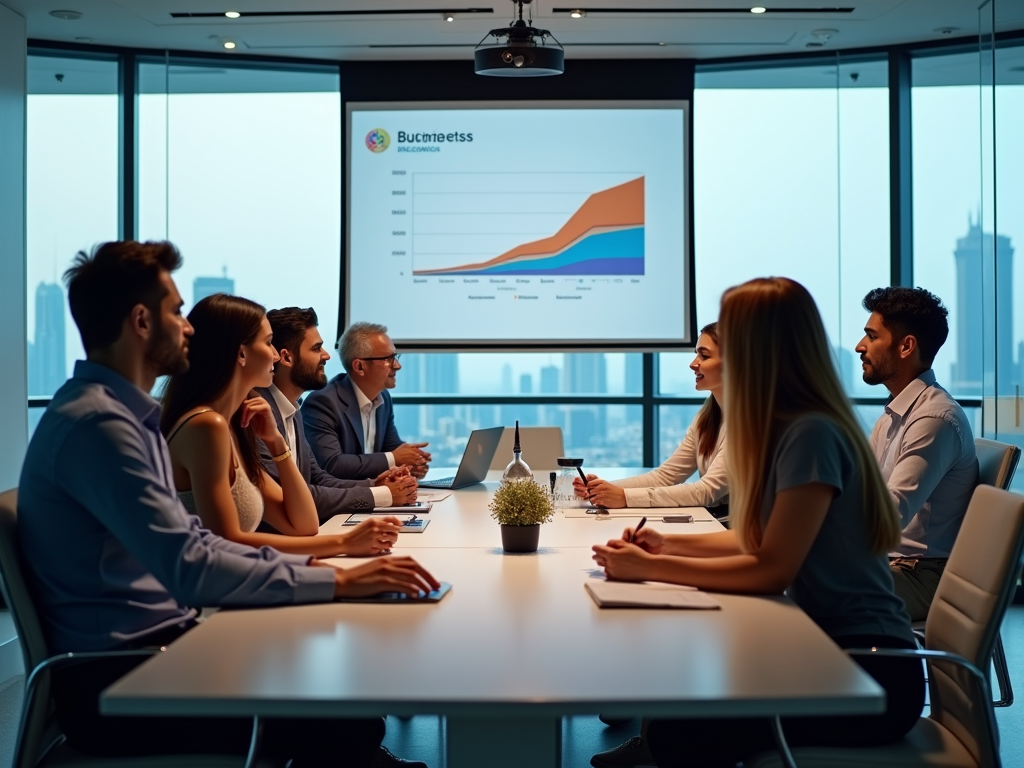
584, 479
637, 530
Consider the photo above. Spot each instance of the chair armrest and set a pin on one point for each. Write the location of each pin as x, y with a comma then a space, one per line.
925, 654
909, 653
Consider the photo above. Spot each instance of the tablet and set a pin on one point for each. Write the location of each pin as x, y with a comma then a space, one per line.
400, 597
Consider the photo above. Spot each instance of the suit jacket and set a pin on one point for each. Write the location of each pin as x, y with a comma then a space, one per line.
334, 428
331, 495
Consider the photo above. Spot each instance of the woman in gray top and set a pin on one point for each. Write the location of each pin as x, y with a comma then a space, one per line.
811, 518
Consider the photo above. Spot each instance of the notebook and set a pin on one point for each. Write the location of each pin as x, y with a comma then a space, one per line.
476, 460
625, 594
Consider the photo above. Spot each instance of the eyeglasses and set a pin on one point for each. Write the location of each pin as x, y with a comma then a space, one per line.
389, 359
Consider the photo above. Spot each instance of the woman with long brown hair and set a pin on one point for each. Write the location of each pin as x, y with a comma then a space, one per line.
702, 450
811, 518
212, 421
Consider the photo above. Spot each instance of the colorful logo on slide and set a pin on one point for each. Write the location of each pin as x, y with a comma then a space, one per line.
377, 140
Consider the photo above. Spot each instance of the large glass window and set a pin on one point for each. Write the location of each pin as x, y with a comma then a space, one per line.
791, 178
241, 169
71, 197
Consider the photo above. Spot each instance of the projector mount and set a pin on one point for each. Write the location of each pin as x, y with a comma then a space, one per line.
521, 52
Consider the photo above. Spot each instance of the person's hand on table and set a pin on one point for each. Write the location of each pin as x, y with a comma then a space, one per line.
402, 485
419, 471
579, 488
385, 574
647, 539
605, 494
623, 561
373, 536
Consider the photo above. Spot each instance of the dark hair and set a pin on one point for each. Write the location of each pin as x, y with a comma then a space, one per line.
709, 418
222, 324
290, 325
911, 312
104, 285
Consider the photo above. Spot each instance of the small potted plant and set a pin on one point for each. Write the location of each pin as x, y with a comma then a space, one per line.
520, 507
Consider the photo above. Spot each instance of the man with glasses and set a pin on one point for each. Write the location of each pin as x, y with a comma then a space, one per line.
350, 423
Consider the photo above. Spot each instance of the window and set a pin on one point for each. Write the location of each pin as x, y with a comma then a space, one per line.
72, 197
240, 167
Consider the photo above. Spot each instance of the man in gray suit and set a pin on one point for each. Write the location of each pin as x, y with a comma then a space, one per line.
300, 369
350, 423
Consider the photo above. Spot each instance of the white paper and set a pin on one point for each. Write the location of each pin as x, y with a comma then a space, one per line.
625, 594
432, 496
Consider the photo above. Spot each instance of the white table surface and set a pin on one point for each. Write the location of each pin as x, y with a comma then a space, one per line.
515, 646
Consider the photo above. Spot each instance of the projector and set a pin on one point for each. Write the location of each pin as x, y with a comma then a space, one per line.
519, 55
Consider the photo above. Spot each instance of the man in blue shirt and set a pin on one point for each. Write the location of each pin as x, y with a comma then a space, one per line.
117, 562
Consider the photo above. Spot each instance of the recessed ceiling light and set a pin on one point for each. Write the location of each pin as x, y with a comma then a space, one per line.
232, 14
229, 44
577, 13
662, 43
758, 9
67, 15
449, 17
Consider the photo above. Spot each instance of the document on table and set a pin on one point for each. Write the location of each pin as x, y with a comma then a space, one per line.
417, 507
624, 594
432, 496
653, 514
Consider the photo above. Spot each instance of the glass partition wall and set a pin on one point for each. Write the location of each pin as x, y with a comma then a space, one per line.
238, 162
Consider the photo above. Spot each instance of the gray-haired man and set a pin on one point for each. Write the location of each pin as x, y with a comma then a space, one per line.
350, 423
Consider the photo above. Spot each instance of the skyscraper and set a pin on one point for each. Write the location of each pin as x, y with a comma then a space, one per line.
549, 379
585, 373
46, 366
977, 341
207, 286
440, 377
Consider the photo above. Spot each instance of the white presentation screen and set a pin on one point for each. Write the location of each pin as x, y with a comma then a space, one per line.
519, 224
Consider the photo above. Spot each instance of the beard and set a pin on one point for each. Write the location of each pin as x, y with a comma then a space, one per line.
164, 352
883, 369
310, 377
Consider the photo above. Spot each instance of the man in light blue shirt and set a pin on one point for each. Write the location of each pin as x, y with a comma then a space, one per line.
116, 561
923, 441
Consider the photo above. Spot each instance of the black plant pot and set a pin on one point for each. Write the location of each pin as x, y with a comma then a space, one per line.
520, 538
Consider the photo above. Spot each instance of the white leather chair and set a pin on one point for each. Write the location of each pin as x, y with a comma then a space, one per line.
962, 628
40, 743
997, 463
542, 446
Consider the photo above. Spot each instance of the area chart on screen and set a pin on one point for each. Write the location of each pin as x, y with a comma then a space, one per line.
604, 236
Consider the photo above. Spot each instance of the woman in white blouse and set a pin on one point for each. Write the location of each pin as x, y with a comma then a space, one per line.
702, 450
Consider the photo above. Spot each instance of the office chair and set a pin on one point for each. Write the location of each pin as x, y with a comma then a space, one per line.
997, 463
40, 743
962, 627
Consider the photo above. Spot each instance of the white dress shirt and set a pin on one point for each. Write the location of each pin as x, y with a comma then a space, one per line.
925, 449
368, 412
287, 409
665, 487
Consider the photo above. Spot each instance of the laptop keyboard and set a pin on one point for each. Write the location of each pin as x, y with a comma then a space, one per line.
444, 482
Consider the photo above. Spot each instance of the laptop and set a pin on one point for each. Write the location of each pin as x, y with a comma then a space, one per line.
475, 461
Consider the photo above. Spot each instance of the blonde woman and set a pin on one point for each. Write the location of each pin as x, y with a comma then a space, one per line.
811, 518
702, 450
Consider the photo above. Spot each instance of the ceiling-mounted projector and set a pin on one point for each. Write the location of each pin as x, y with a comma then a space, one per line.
520, 55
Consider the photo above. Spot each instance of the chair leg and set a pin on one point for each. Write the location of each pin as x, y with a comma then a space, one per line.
1002, 674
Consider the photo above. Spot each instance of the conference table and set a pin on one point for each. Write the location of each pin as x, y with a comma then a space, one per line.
515, 646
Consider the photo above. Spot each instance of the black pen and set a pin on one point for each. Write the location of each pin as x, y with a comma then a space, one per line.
584, 479
636, 530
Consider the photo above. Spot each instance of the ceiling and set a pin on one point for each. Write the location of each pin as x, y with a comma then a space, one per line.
415, 29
